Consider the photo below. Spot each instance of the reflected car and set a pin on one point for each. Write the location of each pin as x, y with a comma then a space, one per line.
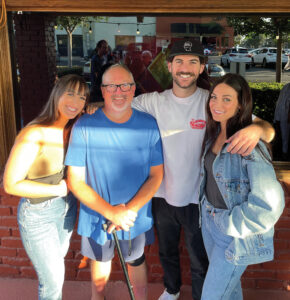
267, 56
236, 54
253, 52
215, 70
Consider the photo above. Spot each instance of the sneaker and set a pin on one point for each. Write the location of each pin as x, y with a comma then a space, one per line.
166, 296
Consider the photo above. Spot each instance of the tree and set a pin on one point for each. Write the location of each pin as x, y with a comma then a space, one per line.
69, 23
277, 28
253, 40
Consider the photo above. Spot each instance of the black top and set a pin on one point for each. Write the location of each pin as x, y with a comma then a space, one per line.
212, 191
51, 179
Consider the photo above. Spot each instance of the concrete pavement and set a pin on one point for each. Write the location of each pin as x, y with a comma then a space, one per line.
26, 289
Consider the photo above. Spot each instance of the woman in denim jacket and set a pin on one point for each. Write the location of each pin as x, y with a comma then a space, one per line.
241, 199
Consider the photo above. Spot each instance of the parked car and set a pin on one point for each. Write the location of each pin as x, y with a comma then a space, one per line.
87, 70
253, 52
236, 54
268, 55
215, 70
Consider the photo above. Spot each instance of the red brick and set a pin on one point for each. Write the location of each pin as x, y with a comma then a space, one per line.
262, 274
152, 249
21, 252
117, 275
282, 255
255, 267
283, 275
284, 222
11, 242
8, 221
15, 232
75, 245
248, 283
152, 259
8, 270
72, 263
4, 231
75, 236
7, 252
10, 200
14, 211
270, 284
70, 274
84, 274
78, 255
187, 280
185, 261
277, 265
28, 272
69, 255
16, 261
280, 244
283, 234
156, 269
116, 265
5, 211
155, 278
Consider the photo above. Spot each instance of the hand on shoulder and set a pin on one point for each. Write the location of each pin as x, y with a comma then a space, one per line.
245, 140
93, 107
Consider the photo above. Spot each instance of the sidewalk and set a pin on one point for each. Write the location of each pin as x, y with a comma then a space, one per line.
26, 289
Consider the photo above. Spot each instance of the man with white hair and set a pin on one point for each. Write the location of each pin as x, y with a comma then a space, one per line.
115, 167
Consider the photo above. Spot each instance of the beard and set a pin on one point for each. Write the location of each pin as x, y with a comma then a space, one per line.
187, 84
120, 107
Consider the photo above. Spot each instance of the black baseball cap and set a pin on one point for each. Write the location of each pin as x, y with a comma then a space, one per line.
186, 46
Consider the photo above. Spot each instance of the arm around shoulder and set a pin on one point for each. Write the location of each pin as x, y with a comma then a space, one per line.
245, 140
267, 130
146, 102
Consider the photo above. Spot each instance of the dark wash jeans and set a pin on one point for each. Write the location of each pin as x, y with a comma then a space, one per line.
169, 220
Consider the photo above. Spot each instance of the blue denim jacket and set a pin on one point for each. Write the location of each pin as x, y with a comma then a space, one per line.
255, 201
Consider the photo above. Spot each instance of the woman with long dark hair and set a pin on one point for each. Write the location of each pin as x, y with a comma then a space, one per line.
35, 172
240, 197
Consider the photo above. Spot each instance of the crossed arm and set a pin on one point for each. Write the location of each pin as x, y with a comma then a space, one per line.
21, 159
122, 215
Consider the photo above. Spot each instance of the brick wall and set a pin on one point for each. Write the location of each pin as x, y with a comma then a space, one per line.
273, 275
36, 59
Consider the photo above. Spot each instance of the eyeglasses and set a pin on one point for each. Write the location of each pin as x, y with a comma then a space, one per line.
124, 87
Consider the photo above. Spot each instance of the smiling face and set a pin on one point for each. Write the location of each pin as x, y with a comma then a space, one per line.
117, 102
185, 70
223, 103
71, 103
